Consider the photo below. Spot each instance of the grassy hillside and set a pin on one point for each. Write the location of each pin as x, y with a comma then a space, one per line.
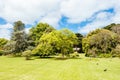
52, 69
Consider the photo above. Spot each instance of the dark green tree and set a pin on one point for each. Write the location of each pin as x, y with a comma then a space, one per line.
19, 37
79, 42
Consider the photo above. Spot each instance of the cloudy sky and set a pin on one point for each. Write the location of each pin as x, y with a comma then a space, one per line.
78, 15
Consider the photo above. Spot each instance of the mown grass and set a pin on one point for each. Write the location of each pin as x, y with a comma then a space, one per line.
18, 68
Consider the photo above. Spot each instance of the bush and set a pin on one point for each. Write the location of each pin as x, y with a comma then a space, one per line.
74, 55
27, 54
103, 55
1, 52
116, 52
92, 53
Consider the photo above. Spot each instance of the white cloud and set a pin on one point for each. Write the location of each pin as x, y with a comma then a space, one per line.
51, 11
80, 10
52, 18
5, 31
116, 18
27, 30
26, 10
101, 20
6, 26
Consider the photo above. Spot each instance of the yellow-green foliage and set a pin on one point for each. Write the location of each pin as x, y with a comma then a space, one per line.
55, 41
37, 31
2, 42
99, 41
27, 54
74, 55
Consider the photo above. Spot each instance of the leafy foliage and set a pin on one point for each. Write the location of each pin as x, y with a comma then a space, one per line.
74, 55
18, 41
108, 27
2, 42
1, 52
114, 28
101, 42
116, 52
56, 42
37, 31
27, 54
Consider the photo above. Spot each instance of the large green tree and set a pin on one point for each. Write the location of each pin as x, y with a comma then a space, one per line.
56, 42
37, 31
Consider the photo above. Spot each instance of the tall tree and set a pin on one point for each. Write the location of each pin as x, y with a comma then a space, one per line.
37, 31
19, 37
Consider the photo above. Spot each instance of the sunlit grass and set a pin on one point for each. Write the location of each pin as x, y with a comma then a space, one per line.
18, 68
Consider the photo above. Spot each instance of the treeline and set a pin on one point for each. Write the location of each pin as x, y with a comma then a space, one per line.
43, 40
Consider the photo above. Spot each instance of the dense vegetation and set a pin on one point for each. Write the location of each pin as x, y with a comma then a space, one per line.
43, 40
99, 42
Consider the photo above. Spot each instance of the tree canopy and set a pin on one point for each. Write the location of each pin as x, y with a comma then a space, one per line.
101, 42
37, 31
56, 42
113, 27
18, 42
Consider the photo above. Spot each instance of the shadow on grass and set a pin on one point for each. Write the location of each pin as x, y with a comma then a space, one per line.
60, 58
76, 58
44, 57
29, 59
56, 58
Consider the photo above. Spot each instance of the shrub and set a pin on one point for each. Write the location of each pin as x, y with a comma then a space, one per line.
92, 53
1, 52
116, 52
74, 55
27, 54
105, 55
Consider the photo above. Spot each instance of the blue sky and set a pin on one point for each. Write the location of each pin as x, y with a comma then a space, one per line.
2, 21
80, 16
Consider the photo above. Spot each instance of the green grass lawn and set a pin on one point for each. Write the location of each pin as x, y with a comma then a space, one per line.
18, 68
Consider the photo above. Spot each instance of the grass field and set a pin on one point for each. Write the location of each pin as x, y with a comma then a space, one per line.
51, 69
